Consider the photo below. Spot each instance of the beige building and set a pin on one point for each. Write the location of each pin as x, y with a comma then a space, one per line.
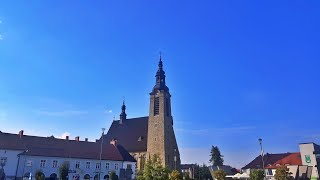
154, 134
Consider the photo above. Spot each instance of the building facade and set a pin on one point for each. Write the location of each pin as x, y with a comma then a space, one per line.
21, 156
146, 136
310, 155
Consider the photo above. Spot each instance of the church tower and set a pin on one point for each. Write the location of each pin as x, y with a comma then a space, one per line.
161, 137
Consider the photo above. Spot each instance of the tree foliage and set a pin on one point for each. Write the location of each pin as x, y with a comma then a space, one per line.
175, 175
64, 170
256, 174
219, 174
153, 170
202, 172
113, 176
39, 175
282, 173
216, 157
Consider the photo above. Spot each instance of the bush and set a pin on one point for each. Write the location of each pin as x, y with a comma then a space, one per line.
219, 174
257, 174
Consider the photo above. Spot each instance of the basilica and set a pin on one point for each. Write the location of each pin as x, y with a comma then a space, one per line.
145, 136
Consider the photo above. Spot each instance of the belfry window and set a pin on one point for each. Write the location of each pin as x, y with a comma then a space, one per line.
156, 105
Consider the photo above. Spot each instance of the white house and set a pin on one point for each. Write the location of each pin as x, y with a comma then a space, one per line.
21, 156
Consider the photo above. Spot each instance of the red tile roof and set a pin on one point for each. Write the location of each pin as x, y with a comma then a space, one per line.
268, 159
291, 159
53, 147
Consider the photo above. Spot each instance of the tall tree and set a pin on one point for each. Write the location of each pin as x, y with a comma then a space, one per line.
257, 174
202, 172
282, 173
64, 170
216, 157
113, 176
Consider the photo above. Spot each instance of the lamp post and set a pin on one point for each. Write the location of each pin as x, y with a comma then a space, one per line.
103, 129
260, 142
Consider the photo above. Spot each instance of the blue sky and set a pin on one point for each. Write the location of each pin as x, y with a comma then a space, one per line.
237, 70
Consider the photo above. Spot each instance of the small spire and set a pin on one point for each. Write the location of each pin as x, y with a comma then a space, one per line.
160, 61
160, 78
123, 115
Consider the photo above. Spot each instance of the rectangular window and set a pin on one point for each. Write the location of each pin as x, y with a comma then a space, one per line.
88, 165
129, 166
156, 105
98, 166
107, 165
42, 163
116, 166
77, 165
28, 163
54, 163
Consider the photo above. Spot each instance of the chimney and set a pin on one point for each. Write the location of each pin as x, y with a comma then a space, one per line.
113, 142
77, 138
67, 137
86, 139
21, 133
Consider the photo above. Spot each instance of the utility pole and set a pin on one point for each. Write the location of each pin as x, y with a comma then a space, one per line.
103, 129
261, 153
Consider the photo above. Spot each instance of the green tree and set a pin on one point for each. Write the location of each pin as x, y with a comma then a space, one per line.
256, 174
153, 170
39, 175
216, 157
202, 172
175, 175
64, 170
113, 176
219, 174
282, 173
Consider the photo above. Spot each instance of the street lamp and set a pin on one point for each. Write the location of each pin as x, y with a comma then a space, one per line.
103, 129
260, 142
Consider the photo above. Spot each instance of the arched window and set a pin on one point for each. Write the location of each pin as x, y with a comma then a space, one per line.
86, 177
53, 176
27, 176
106, 177
96, 177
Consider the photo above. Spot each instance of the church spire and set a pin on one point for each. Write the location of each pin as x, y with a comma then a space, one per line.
160, 78
123, 115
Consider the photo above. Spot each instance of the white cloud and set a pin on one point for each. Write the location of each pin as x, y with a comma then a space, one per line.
63, 136
108, 111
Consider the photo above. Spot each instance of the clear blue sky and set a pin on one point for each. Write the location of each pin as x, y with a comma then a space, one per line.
237, 70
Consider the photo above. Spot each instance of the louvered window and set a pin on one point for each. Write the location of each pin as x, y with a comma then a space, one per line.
156, 106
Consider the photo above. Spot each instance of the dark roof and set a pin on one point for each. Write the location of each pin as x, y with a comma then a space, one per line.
131, 134
53, 147
187, 166
268, 159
